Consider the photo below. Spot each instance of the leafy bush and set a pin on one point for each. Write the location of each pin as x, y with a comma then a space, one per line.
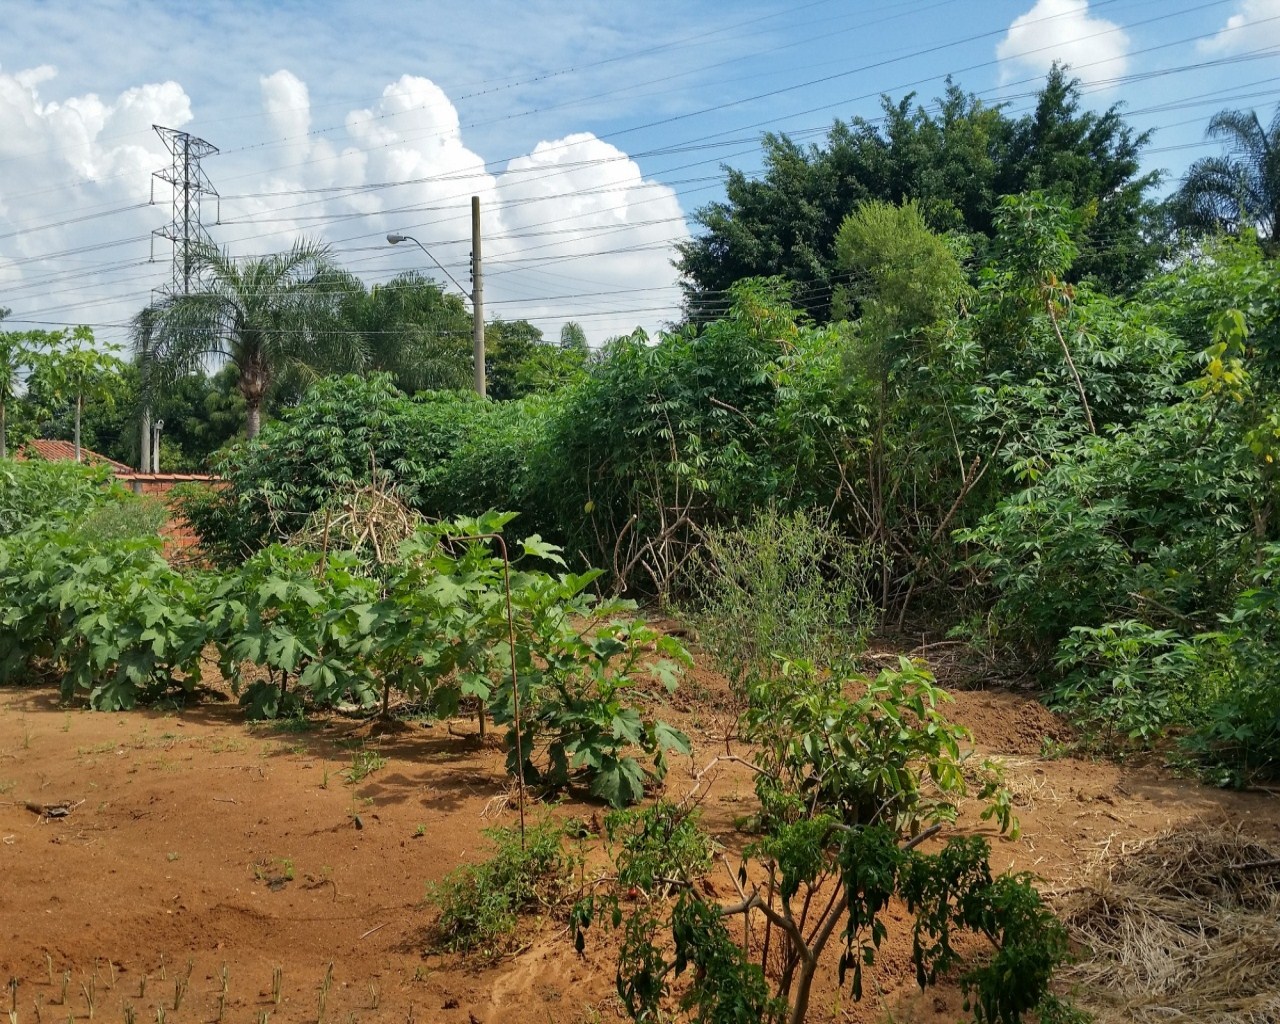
295, 614
842, 785
864, 759
112, 619
125, 519
480, 904
1237, 740
783, 585
36, 491
1128, 682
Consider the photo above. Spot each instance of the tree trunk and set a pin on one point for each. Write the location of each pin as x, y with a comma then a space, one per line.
4, 449
79, 403
253, 419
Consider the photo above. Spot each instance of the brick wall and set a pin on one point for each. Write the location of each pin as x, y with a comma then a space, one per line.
177, 534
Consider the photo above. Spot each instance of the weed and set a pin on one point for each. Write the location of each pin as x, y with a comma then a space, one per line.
66, 984
159, 1015
363, 764
323, 997
90, 991
142, 986
420, 831
479, 903
324, 781
130, 1017
179, 993
277, 984
375, 995
274, 872
171, 857
48, 959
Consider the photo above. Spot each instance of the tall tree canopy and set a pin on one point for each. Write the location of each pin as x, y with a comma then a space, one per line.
1240, 188
264, 315
415, 331
954, 162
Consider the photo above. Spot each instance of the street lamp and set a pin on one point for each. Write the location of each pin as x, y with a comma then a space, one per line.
477, 302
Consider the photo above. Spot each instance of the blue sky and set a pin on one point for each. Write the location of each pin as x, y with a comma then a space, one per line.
592, 131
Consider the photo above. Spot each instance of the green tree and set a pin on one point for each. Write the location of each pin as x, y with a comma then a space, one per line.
955, 163
1240, 189
264, 315
572, 336
415, 331
510, 344
15, 357
74, 369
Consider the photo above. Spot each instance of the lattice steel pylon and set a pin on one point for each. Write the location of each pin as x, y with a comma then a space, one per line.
190, 187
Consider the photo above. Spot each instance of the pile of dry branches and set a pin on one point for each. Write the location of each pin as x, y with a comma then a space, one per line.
1181, 927
365, 516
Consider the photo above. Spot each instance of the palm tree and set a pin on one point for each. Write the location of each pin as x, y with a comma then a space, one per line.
415, 331
1242, 187
264, 315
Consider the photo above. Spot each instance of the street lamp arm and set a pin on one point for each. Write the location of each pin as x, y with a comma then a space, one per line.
395, 238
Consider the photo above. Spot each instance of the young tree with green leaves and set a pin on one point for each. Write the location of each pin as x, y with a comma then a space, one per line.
264, 315
74, 369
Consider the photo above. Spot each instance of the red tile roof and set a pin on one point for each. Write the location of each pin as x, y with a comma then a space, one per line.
65, 451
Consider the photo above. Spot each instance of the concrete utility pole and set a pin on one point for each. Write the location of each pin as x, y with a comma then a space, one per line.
477, 297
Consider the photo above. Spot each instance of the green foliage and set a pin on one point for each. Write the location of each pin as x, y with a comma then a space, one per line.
443, 453
584, 670
953, 160
842, 785
267, 316
480, 904
294, 614
954, 889
658, 851
1237, 739
1240, 190
904, 277
862, 760
662, 441
123, 519
1125, 681
111, 619
413, 330
784, 584
36, 492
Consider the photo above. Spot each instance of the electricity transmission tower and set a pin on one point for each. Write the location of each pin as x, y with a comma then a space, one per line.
190, 186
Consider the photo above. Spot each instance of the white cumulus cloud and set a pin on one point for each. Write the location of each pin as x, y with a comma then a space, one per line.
1063, 30
1254, 25
572, 230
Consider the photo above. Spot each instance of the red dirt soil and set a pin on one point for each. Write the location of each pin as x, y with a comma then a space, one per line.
196, 838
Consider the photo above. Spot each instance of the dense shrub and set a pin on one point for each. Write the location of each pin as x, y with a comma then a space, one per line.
38, 491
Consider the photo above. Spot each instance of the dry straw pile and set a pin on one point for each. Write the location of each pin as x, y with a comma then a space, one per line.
1181, 927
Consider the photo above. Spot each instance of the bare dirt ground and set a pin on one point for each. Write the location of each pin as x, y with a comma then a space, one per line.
197, 843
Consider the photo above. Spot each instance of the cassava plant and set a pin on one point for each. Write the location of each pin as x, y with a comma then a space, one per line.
849, 789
